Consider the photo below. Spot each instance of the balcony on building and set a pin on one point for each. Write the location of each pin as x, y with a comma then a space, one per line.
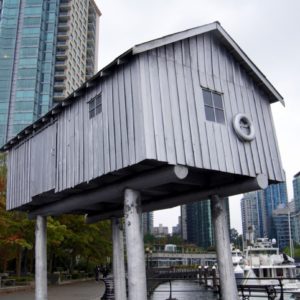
90, 50
64, 16
90, 43
62, 45
60, 65
90, 68
58, 96
62, 35
91, 34
60, 75
61, 54
65, 5
90, 60
91, 27
92, 13
59, 85
64, 26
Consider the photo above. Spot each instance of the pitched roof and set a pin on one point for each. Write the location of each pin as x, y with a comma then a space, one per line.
214, 27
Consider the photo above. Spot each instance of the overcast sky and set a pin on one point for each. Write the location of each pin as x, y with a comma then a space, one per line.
267, 30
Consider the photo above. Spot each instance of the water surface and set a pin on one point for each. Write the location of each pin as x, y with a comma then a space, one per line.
183, 290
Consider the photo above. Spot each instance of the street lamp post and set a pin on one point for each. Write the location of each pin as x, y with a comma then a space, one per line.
148, 252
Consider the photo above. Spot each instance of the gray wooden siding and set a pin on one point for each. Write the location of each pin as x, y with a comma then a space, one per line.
32, 167
152, 108
88, 148
172, 78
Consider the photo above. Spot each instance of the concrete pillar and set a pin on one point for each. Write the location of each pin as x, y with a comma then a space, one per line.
137, 286
41, 292
224, 258
118, 260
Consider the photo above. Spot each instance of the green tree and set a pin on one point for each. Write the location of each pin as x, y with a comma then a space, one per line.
16, 231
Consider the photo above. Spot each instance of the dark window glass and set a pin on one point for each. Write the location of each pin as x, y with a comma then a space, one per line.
220, 118
95, 106
207, 98
209, 113
217, 101
213, 105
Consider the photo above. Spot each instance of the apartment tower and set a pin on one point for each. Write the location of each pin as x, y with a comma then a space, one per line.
48, 48
196, 222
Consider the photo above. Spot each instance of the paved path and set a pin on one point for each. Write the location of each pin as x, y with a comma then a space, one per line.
89, 290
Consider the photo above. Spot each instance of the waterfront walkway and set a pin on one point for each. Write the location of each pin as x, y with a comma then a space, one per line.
89, 290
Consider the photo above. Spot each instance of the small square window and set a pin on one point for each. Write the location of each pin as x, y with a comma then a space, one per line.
95, 106
213, 106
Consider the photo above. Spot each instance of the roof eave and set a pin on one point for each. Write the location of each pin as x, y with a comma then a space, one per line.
215, 26
276, 95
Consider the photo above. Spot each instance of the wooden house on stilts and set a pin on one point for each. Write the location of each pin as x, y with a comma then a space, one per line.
171, 121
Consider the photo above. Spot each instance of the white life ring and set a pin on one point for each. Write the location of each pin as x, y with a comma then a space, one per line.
241, 121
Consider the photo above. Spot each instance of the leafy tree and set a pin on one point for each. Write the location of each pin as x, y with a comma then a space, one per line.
236, 239
16, 231
70, 241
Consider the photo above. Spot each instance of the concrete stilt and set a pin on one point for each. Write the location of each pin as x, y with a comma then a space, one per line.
118, 260
224, 258
135, 246
41, 292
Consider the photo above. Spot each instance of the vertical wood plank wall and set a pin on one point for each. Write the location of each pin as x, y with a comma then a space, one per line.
90, 147
176, 129
152, 108
32, 167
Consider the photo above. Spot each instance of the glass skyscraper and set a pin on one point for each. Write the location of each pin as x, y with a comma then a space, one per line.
253, 212
296, 213
197, 227
275, 195
47, 50
257, 209
296, 188
147, 222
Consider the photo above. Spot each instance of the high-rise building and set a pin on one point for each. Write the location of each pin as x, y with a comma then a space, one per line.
281, 221
176, 230
296, 213
160, 231
296, 188
275, 195
147, 222
253, 214
48, 48
258, 207
183, 222
198, 221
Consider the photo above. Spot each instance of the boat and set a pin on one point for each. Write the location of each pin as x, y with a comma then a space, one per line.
263, 265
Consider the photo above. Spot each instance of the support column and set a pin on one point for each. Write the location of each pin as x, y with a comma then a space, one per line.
224, 258
118, 260
41, 258
137, 286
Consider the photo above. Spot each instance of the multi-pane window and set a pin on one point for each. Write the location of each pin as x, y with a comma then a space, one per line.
213, 105
95, 106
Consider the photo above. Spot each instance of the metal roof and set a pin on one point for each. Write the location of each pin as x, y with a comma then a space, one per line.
214, 27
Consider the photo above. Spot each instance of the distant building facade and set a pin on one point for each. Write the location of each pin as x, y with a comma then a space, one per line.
176, 230
47, 50
160, 231
296, 190
253, 211
183, 222
257, 210
296, 213
281, 221
147, 222
274, 196
198, 223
